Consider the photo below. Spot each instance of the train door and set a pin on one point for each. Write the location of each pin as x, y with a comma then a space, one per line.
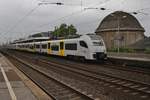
34, 47
61, 52
49, 48
40, 47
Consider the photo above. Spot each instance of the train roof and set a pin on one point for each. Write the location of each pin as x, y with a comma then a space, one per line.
32, 39
47, 39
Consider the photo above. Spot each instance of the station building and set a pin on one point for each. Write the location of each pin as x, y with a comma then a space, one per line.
142, 45
120, 29
42, 34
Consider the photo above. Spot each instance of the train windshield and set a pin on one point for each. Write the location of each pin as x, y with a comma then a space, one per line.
100, 43
94, 37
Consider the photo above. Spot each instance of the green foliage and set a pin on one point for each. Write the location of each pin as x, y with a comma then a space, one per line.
112, 50
126, 50
55, 33
71, 30
147, 50
64, 30
36, 35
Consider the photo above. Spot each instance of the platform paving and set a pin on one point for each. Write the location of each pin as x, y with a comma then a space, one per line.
130, 56
11, 85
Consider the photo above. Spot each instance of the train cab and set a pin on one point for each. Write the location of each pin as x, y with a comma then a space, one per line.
96, 47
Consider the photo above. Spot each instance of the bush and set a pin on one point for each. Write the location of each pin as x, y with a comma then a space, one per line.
147, 50
112, 50
126, 50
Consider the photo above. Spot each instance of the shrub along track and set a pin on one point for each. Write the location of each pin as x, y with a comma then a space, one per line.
89, 82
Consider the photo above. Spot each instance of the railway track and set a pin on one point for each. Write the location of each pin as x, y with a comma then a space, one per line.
113, 70
53, 87
109, 85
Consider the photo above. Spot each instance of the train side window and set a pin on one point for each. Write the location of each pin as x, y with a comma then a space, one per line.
55, 47
61, 45
33, 46
44, 46
83, 44
49, 45
37, 46
28, 46
71, 46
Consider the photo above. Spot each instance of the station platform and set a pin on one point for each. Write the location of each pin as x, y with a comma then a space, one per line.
130, 56
130, 59
14, 85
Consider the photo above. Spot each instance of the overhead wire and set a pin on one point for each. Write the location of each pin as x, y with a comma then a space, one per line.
22, 19
71, 14
35, 8
18, 22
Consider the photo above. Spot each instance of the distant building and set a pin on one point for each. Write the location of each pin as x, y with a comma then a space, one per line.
120, 29
42, 34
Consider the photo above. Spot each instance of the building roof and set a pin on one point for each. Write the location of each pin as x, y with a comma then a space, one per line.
119, 20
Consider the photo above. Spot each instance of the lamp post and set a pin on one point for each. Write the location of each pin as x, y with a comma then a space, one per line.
118, 32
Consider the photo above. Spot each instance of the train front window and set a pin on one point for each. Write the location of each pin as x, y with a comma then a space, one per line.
98, 43
83, 44
94, 37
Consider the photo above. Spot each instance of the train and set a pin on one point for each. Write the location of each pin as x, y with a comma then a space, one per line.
87, 47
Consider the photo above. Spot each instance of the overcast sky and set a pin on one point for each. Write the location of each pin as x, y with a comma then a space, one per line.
20, 18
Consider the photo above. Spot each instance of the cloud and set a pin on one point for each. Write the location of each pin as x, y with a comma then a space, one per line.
46, 17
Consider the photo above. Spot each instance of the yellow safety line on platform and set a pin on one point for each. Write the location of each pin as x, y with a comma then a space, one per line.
12, 94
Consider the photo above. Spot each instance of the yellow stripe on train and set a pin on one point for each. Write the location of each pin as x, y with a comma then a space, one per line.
61, 51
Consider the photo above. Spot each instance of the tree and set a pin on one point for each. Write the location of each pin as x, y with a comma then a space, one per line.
71, 30
64, 30
55, 33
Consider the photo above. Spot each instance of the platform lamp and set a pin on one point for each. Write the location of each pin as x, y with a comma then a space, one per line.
118, 37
